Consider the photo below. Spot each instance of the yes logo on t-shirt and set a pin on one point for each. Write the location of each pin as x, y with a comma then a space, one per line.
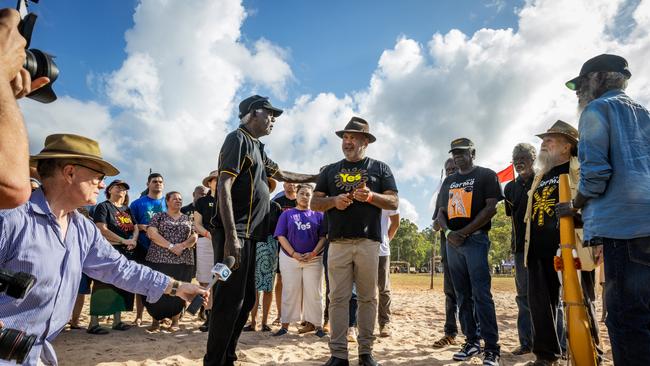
124, 221
301, 226
460, 199
348, 179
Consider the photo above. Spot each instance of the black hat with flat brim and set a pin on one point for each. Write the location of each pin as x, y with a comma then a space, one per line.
358, 125
604, 62
462, 143
257, 102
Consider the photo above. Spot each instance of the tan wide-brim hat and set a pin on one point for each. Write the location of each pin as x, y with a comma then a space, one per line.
213, 175
562, 128
69, 146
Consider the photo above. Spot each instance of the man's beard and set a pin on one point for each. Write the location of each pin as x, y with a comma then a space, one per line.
546, 161
589, 90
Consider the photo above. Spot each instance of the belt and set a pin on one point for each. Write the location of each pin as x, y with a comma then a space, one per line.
478, 232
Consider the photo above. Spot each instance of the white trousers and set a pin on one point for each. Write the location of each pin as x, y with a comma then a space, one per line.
302, 289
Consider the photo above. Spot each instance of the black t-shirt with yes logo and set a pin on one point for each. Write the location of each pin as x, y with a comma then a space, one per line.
360, 219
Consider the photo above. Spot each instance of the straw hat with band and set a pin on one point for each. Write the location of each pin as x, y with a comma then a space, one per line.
69, 146
213, 175
358, 125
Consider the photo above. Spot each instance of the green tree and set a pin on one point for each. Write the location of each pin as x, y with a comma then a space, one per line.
410, 245
500, 236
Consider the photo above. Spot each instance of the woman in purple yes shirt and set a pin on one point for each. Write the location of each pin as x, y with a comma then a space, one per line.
301, 234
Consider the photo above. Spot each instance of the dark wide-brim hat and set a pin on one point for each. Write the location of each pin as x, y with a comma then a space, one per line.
357, 125
604, 62
562, 128
69, 146
256, 102
213, 175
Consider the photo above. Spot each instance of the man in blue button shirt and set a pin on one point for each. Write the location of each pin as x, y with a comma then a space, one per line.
614, 194
49, 239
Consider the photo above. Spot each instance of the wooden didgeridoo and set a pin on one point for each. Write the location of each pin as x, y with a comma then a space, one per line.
582, 348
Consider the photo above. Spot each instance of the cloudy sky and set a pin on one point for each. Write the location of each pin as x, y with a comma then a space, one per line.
157, 82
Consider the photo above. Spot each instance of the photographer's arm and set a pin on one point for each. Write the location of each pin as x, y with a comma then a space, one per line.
14, 83
14, 151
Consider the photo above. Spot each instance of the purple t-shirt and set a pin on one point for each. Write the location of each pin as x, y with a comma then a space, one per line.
301, 228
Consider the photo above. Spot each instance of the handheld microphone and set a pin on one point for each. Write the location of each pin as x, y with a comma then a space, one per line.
220, 272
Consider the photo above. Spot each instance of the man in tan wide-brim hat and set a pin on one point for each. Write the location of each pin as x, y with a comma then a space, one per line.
48, 237
74, 148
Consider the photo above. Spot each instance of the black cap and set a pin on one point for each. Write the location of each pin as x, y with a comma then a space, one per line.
461, 144
117, 182
256, 102
604, 62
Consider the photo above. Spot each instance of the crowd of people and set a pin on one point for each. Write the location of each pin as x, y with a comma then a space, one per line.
331, 229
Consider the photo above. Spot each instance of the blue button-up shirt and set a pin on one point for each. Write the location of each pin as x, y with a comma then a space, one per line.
30, 241
614, 153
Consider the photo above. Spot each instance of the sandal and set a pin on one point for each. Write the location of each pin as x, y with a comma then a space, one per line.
97, 329
444, 342
309, 327
276, 322
266, 328
249, 328
121, 326
280, 332
75, 327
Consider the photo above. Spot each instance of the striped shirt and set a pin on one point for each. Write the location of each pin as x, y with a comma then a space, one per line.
30, 241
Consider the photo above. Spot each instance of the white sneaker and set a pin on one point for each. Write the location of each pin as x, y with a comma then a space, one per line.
352, 334
467, 350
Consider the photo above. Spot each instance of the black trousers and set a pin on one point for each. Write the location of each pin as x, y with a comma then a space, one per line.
543, 299
232, 302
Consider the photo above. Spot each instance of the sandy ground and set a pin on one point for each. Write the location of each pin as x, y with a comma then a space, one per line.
418, 317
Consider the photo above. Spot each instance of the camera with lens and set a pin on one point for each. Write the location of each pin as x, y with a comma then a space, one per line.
15, 344
37, 62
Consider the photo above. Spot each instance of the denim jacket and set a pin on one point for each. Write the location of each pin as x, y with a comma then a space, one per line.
614, 153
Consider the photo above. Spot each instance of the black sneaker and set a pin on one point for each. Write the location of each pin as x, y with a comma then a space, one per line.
467, 350
491, 358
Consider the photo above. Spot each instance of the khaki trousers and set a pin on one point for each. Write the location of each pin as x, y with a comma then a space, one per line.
352, 261
383, 284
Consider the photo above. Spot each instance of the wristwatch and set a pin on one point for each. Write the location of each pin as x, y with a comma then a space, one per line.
171, 246
175, 287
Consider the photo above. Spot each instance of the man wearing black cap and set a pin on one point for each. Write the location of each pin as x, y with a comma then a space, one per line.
614, 195
471, 196
243, 203
353, 192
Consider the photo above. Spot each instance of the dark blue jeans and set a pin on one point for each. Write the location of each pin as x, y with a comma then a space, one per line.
627, 291
451, 306
470, 275
524, 327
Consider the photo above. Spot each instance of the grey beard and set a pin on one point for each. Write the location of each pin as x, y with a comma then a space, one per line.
583, 100
545, 162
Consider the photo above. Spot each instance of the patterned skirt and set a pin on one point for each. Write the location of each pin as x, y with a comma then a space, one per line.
266, 262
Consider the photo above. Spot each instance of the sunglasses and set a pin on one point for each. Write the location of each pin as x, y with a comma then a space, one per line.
95, 180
